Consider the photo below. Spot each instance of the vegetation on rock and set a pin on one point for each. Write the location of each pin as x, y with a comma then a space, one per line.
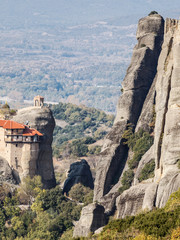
139, 142
83, 127
126, 181
147, 171
152, 13
158, 224
6, 111
81, 194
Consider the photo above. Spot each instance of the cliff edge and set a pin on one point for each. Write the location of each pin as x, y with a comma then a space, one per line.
150, 108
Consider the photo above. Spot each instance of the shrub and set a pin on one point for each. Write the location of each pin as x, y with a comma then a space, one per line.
81, 194
94, 150
173, 202
152, 13
5, 106
175, 234
147, 171
31, 186
129, 136
79, 149
2, 219
178, 163
12, 112
142, 145
157, 223
126, 181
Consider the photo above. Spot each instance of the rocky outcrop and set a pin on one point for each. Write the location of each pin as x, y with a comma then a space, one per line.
92, 218
136, 85
150, 101
6, 173
42, 120
79, 172
131, 200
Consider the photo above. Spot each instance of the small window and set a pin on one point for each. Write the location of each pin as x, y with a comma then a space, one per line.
16, 145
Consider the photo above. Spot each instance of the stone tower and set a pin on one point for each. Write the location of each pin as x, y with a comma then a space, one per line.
38, 101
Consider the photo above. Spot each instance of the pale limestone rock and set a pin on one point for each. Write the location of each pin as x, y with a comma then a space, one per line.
92, 218
164, 93
147, 114
150, 197
169, 184
130, 202
112, 161
99, 230
136, 85
142, 69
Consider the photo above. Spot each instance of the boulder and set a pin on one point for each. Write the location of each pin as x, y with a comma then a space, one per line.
92, 218
79, 172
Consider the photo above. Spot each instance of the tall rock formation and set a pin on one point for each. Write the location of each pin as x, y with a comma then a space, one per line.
79, 172
41, 118
136, 85
150, 94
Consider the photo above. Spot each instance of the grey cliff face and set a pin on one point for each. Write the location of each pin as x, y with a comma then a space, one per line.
79, 172
150, 92
142, 69
42, 120
92, 218
136, 86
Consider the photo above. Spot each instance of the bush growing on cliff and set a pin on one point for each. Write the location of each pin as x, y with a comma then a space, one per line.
141, 146
138, 142
158, 224
152, 13
81, 194
147, 171
126, 181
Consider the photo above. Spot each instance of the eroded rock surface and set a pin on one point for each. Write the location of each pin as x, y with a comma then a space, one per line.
151, 101
136, 86
92, 218
131, 200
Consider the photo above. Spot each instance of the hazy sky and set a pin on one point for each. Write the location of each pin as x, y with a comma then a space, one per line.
82, 11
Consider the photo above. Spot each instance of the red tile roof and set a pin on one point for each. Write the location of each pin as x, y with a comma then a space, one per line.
13, 125
2, 122
31, 132
8, 124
